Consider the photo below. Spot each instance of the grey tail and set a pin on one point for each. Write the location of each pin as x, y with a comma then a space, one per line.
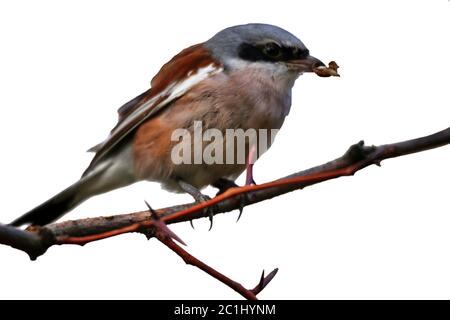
53, 208
101, 178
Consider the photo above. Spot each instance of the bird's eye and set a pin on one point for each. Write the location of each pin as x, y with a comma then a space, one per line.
272, 50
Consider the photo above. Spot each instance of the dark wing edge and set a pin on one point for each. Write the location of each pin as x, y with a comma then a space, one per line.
123, 112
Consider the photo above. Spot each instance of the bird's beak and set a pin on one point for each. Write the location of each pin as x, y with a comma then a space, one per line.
307, 64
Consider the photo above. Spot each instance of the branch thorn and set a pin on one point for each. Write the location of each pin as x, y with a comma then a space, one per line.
161, 226
264, 281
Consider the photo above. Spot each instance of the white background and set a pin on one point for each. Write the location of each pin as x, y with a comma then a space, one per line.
65, 67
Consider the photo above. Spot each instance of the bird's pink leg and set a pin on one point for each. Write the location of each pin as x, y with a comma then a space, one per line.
250, 161
224, 184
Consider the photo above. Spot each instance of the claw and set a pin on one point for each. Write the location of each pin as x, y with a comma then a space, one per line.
241, 209
242, 202
211, 215
192, 223
223, 185
209, 210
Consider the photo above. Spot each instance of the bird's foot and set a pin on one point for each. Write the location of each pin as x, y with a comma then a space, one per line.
223, 185
199, 198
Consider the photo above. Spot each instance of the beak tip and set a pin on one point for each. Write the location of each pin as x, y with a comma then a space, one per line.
318, 64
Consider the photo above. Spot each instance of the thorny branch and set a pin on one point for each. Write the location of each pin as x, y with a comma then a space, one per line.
36, 240
167, 237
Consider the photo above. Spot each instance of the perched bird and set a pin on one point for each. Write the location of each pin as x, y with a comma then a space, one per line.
240, 78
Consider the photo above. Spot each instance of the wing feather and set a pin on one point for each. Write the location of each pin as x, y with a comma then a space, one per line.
185, 70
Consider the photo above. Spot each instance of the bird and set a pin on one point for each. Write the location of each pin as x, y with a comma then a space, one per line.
241, 78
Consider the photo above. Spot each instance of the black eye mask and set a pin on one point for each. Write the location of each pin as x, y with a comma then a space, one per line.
270, 52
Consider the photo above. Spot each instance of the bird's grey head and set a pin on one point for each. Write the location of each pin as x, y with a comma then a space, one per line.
261, 45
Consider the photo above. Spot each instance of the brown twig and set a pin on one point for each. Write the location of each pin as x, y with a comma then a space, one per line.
35, 241
167, 237
193, 261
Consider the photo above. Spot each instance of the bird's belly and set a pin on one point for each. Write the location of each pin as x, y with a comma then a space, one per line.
205, 112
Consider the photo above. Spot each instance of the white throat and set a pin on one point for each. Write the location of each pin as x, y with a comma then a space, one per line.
281, 74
